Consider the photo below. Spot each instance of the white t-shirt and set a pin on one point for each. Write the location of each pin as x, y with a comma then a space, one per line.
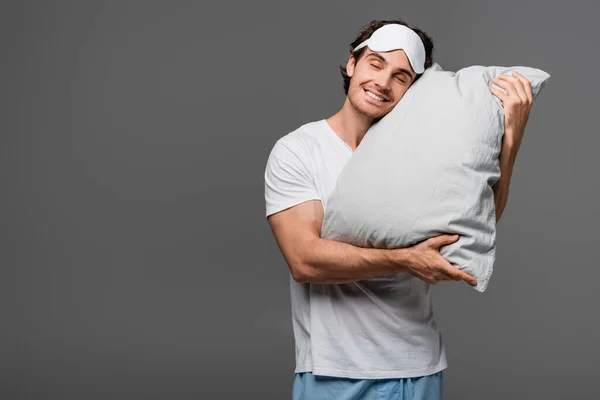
372, 329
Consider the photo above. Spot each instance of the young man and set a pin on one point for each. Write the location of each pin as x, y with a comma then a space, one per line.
350, 345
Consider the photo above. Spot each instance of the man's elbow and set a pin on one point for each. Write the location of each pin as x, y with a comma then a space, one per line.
301, 272
299, 263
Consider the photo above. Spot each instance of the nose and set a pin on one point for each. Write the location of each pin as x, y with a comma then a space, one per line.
383, 81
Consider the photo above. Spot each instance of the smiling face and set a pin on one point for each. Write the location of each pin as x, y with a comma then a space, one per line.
378, 81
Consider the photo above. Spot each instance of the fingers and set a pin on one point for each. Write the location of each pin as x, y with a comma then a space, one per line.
511, 86
442, 270
499, 94
526, 86
446, 277
457, 274
439, 268
517, 86
463, 276
442, 240
441, 275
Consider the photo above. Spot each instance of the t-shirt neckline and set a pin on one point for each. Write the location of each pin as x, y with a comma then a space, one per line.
330, 129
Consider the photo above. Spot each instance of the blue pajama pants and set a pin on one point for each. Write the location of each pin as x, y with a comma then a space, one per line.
315, 387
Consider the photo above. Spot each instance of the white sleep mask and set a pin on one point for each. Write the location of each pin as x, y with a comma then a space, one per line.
394, 37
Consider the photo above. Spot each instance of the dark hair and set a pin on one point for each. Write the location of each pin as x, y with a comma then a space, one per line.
366, 33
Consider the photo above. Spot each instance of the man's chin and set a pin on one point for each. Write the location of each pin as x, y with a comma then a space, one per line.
369, 110
375, 115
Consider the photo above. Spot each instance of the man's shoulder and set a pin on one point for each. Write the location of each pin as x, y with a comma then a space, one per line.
303, 136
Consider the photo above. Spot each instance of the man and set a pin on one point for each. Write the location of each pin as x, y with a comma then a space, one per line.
350, 345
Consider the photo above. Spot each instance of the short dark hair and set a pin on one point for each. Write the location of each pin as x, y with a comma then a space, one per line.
366, 33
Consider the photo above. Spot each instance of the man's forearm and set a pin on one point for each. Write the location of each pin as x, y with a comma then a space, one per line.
501, 188
328, 261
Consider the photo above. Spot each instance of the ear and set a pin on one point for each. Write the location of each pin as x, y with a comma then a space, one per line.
350, 65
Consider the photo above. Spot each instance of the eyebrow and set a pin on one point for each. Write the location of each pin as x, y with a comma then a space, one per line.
401, 70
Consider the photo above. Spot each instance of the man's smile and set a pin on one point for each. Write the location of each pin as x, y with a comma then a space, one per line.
375, 97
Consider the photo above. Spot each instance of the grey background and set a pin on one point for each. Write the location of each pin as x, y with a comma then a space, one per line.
136, 262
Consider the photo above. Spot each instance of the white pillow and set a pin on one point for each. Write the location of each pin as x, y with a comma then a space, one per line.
427, 168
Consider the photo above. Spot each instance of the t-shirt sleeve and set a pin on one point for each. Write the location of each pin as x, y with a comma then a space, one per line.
288, 180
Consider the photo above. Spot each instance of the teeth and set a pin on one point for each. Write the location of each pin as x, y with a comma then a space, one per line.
375, 96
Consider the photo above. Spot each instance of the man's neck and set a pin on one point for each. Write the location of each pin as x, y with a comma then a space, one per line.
350, 125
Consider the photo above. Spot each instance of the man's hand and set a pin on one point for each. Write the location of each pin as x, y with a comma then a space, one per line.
428, 264
517, 102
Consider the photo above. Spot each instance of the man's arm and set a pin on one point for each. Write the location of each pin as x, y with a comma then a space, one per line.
517, 103
316, 260
501, 188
